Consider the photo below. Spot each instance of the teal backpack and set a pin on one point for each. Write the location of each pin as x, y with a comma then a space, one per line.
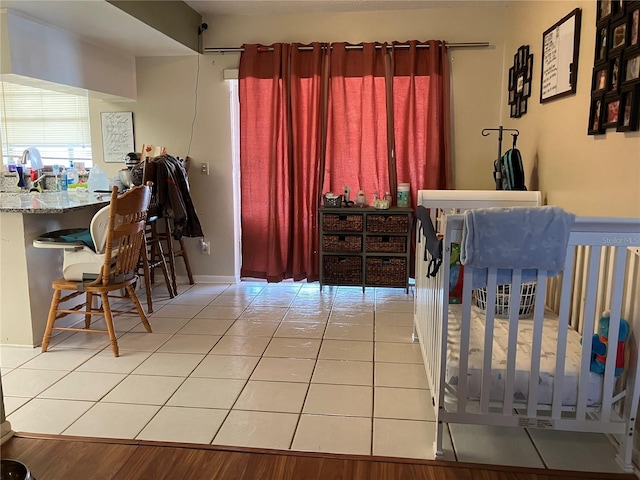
511, 171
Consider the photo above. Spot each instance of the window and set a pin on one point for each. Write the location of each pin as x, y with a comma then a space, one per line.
56, 123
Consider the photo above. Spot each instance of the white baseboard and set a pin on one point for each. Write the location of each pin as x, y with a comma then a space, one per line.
5, 431
209, 279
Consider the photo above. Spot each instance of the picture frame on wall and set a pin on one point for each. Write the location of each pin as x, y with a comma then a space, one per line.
618, 7
631, 61
117, 136
617, 65
615, 73
514, 110
520, 82
611, 112
596, 115
634, 24
523, 106
605, 9
600, 80
601, 42
629, 105
560, 53
618, 34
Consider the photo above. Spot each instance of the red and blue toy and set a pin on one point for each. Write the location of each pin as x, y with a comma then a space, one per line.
600, 345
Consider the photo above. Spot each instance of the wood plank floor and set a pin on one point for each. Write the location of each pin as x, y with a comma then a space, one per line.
70, 458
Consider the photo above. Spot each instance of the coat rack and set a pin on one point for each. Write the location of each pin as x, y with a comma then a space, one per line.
486, 132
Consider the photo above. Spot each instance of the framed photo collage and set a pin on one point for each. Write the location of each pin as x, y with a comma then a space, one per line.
520, 82
615, 83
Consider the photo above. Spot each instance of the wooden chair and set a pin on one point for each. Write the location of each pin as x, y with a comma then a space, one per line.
125, 239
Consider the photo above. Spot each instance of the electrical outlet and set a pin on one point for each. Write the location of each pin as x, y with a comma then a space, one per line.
204, 168
205, 246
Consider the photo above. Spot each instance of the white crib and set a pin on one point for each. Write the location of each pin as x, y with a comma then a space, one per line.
539, 375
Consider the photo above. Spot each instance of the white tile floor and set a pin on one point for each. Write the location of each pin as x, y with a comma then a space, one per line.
281, 366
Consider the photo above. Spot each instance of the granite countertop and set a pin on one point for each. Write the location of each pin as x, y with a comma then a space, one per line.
51, 202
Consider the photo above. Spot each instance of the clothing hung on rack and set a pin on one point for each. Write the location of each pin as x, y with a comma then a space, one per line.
171, 197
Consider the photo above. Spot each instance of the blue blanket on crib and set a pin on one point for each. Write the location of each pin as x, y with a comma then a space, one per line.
527, 238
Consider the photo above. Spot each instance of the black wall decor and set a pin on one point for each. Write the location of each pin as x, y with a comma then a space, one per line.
615, 83
520, 81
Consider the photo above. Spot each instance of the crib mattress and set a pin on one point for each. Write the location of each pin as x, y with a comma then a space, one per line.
523, 359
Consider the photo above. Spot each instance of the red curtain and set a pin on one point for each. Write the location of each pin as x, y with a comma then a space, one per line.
356, 151
264, 162
421, 116
307, 127
280, 121
318, 118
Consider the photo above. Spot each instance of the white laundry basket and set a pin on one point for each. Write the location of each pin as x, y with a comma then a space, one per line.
503, 297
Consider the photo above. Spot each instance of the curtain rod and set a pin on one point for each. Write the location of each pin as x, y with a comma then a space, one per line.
349, 47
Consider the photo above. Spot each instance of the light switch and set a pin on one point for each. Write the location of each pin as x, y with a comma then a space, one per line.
204, 168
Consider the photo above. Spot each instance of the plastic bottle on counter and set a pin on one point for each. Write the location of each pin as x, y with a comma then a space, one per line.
72, 175
61, 177
98, 179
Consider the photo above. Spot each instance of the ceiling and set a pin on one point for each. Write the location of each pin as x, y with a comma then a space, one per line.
101, 23
208, 8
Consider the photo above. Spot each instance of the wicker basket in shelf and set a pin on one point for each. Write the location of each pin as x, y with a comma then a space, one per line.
386, 244
387, 223
334, 222
386, 271
342, 243
343, 270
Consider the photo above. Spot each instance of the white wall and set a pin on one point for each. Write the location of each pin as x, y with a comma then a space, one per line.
33, 52
163, 115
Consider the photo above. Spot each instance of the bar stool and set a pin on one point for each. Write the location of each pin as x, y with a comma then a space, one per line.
152, 257
172, 254
166, 235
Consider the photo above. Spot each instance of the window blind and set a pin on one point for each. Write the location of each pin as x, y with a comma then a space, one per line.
56, 123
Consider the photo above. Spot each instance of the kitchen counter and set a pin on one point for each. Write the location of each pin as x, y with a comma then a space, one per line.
51, 202
26, 272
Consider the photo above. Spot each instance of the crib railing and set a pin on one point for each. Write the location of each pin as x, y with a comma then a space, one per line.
602, 272
583, 299
630, 299
432, 300
586, 233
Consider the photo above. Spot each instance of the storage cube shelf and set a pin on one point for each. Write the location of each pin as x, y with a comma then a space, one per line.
365, 246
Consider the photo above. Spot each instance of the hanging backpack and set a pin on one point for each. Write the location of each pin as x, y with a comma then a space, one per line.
512, 172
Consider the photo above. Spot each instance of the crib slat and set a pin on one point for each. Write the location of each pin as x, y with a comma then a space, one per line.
591, 280
438, 337
485, 390
465, 329
512, 341
614, 329
631, 285
563, 325
536, 345
604, 280
579, 287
